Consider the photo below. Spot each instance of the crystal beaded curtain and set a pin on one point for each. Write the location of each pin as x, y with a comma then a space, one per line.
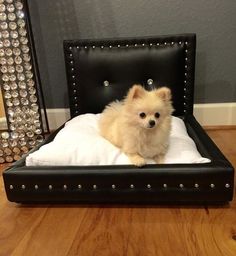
18, 83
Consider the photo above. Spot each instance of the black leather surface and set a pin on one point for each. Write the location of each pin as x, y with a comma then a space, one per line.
167, 60
87, 68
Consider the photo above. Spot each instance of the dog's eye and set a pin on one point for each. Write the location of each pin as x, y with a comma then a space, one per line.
142, 115
157, 115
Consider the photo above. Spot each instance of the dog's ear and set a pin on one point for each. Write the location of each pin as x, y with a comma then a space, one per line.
164, 93
135, 92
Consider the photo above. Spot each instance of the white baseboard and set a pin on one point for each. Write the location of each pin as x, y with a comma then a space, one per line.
57, 117
213, 114
3, 123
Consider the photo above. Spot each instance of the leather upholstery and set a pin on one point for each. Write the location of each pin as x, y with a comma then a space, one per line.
167, 60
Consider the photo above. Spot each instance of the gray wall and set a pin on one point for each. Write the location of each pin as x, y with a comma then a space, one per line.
214, 22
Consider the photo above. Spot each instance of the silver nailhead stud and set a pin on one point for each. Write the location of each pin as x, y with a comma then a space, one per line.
186, 59
23, 186
165, 43
186, 51
70, 55
72, 69
158, 44
71, 62
102, 46
113, 186
85, 47
50, 187
165, 185
36, 187
149, 186
212, 185
186, 43
186, 66
77, 47
172, 42
180, 42
150, 44
11, 186
227, 185
196, 185
70, 48
181, 185
143, 44
110, 46
73, 76
65, 187
127, 45
135, 45
118, 45
185, 81
106, 83
79, 186
93, 46
94, 186
149, 81
131, 186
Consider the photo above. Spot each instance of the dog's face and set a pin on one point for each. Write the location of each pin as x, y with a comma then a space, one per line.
148, 109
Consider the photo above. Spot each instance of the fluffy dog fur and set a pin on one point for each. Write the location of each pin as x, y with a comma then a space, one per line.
140, 124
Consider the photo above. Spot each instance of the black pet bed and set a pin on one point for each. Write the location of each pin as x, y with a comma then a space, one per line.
100, 71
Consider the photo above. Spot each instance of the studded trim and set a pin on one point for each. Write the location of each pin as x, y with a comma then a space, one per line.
116, 187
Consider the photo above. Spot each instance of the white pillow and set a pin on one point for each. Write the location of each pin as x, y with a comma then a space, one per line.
79, 143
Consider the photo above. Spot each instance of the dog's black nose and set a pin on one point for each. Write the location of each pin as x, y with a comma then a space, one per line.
152, 123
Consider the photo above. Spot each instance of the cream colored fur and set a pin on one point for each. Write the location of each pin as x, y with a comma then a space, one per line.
123, 126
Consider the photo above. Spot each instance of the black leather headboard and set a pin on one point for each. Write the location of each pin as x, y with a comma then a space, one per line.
100, 71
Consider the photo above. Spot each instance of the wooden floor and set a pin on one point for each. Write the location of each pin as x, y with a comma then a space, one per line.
101, 230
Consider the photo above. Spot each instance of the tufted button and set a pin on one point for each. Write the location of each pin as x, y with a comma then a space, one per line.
150, 81
106, 83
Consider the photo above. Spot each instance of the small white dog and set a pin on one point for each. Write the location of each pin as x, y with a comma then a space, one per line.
140, 124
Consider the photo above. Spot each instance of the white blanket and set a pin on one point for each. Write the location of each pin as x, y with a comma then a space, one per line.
79, 143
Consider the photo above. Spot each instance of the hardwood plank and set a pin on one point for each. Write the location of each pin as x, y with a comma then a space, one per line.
219, 127
121, 230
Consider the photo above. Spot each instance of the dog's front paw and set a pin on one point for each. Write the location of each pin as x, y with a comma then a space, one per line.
137, 160
160, 159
